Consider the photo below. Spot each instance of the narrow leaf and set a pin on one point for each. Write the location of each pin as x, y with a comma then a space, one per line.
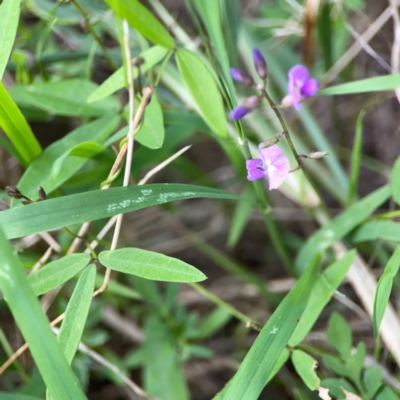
203, 89
355, 160
140, 18
379, 83
34, 326
150, 265
395, 181
67, 97
305, 366
340, 226
17, 129
9, 17
320, 295
384, 289
86, 150
117, 80
42, 172
339, 335
76, 313
57, 272
374, 230
259, 362
78, 208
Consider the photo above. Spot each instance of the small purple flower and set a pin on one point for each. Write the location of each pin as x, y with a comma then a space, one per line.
260, 64
300, 85
248, 106
241, 77
273, 165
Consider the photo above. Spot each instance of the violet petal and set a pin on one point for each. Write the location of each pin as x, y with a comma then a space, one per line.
254, 173
239, 112
276, 164
309, 88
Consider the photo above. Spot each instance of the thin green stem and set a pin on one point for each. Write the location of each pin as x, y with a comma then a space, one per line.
220, 303
162, 68
96, 38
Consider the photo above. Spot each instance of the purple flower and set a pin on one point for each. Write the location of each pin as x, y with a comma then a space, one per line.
273, 165
260, 64
241, 77
300, 85
248, 106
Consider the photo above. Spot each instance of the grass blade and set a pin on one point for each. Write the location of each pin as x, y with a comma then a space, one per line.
355, 160
395, 181
97, 204
259, 362
384, 288
379, 83
9, 17
17, 129
340, 226
34, 326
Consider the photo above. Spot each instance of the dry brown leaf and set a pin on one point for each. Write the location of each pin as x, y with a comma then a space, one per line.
323, 393
349, 395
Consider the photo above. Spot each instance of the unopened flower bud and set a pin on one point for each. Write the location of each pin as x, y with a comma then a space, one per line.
138, 61
251, 102
14, 192
268, 143
248, 106
286, 101
42, 194
260, 64
318, 154
242, 77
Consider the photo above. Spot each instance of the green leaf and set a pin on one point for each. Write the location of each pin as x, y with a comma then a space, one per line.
339, 335
9, 17
57, 272
259, 362
55, 166
76, 313
150, 265
151, 133
140, 18
387, 394
210, 12
340, 226
214, 321
355, 160
17, 129
395, 181
240, 217
117, 80
305, 366
373, 230
34, 327
117, 288
67, 97
372, 380
17, 396
320, 295
78, 208
86, 150
384, 288
161, 374
379, 83
204, 90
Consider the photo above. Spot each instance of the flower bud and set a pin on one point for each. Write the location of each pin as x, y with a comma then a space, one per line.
268, 143
248, 106
286, 101
138, 61
242, 77
317, 154
42, 194
14, 192
260, 64
251, 102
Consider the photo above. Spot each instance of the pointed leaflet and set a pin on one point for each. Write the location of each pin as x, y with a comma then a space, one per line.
150, 265
204, 90
76, 313
34, 326
140, 18
78, 208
